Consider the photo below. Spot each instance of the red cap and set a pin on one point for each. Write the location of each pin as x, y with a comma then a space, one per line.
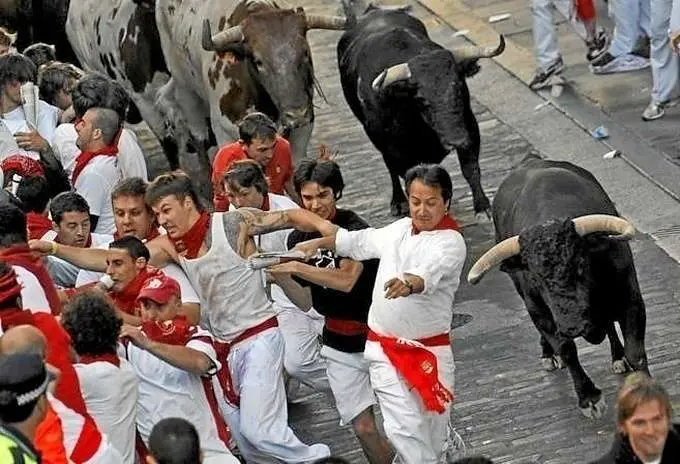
159, 288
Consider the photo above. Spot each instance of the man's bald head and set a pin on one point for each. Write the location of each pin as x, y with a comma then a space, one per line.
23, 339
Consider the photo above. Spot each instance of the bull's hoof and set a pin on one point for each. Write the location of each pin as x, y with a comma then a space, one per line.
621, 366
594, 410
483, 217
552, 363
399, 209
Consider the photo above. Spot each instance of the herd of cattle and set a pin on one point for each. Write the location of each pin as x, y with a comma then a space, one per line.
559, 235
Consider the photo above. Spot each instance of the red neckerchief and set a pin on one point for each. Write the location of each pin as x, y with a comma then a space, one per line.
447, 223
177, 331
126, 299
152, 234
111, 358
265, 203
22, 256
85, 157
38, 225
12, 317
189, 244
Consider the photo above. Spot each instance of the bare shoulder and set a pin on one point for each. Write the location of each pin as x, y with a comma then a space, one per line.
162, 250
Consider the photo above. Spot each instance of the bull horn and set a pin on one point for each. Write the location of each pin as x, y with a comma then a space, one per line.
335, 23
398, 72
496, 255
619, 228
474, 53
220, 40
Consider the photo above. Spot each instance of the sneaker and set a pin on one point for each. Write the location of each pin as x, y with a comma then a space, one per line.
598, 46
608, 64
542, 77
656, 110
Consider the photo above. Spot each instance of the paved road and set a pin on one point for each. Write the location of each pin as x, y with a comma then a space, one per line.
507, 407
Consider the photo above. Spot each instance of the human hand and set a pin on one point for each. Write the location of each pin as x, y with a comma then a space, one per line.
325, 153
31, 141
135, 335
395, 288
309, 248
41, 246
289, 267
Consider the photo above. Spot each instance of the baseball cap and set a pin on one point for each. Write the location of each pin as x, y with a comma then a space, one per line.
23, 379
159, 288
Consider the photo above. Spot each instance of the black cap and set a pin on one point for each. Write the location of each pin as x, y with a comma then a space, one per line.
23, 379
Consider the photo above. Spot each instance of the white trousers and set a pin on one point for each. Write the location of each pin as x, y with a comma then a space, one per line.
546, 50
260, 424
675, 16
106, 454
632, 20
665, 64
418, 435
302, 347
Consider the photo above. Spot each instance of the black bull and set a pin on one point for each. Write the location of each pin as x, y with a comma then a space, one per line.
563, 244
411, 97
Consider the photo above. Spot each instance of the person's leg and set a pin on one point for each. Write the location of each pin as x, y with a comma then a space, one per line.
546, 50
349, 380
664, 62
627, 25
302, 348
263, 408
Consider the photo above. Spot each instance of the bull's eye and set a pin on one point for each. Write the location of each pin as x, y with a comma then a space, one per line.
258, 63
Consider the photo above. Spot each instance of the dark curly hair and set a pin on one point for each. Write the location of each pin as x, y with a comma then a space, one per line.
92, 323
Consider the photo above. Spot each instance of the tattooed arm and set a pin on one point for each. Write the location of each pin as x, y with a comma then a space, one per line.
242, 224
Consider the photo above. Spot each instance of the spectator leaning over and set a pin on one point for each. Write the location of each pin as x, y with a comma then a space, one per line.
47, 166
24, 380
96, 172
632, 26
55, 81
645, 433
38, 292
71, 218
109, 384
258, 141
546, 50
91, 91
18, 134
7, 42
174, 441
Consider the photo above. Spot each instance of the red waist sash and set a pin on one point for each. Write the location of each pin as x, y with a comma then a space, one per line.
345, 327
223, 349
418, 366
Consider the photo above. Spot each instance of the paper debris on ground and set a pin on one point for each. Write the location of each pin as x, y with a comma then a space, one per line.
499, 17
460, 33
611, 155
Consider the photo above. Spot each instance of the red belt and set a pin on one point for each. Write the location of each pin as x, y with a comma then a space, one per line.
435, 340
223, 349
344, 327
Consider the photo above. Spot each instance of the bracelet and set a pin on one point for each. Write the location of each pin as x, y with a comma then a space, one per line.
409, 285
54, 248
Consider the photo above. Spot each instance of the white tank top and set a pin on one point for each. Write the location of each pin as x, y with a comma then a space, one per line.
231, 294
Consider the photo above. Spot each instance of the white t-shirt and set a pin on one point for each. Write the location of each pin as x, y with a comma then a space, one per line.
32, 294
15, 121
166, 391
111, 394
95, 183
131, 162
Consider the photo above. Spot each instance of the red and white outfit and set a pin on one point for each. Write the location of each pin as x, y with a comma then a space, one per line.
167, 391
244, 325
300, 329
415, 420
110, 390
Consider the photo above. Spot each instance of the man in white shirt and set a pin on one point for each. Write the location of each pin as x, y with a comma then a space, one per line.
92, 91
30, 137
71, 218
421, 259
96, 172
109, 384
174, 361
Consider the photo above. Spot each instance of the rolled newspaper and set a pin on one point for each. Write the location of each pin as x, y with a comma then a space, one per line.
263, 260
30, 99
